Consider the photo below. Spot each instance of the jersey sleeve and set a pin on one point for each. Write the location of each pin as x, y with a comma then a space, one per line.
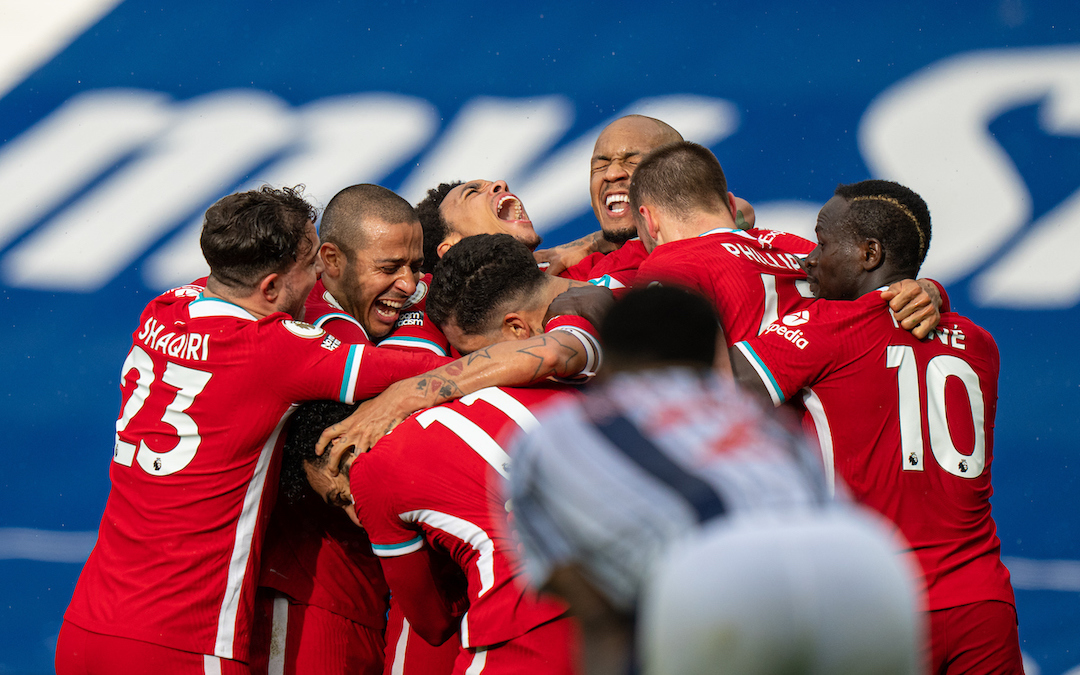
371, 478
583, 330
798, 349
784, 241
314, 365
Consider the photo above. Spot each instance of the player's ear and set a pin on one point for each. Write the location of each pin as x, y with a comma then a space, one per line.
515, 327
450, 240
648, 216
333, 260
871, 254
270, 287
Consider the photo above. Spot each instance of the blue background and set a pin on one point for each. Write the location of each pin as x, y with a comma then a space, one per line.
800, 81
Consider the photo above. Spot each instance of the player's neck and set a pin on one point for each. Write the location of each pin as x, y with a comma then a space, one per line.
254, 302
879, 278
696, 225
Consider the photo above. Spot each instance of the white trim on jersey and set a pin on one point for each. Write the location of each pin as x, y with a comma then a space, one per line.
395, 550
594, 355
202, 307
775, 393
352, 374
824, 434
211, 665
241, 553
728, 230
479, 660
470, 534
279, 633
397, 667
322, 320
607, 281
410, 342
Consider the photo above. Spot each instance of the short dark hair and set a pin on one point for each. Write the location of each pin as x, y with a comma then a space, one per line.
893, 214
305, 427
248, 235
343, 218
660, 324
435, 227
477, 277
680, 178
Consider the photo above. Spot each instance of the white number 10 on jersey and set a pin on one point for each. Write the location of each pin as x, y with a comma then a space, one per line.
938, 370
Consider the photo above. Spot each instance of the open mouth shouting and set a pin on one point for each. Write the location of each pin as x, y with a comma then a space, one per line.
617, 204
508, 208
388, 309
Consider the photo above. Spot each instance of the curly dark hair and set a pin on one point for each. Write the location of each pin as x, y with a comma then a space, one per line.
893, 214
248, 235
305, 427
434, 225
479, 276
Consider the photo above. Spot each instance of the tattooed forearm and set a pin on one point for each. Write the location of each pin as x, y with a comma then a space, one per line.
554, 353
484, 353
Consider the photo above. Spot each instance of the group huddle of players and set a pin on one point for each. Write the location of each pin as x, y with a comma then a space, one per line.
247, 533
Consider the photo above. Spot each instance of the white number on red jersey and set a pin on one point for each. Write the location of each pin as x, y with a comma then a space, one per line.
770, 311
475, 437
938, 371
189, 384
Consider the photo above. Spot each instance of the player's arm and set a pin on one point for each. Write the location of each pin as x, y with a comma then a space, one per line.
558, 353
748, 377
564, 256
413, 585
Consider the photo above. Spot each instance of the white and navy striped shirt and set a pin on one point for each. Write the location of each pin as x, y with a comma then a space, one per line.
611, 480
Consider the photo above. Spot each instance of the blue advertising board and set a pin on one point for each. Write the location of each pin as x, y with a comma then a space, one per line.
121, 121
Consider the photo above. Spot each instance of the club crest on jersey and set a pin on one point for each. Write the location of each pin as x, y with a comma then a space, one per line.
419, 294
301, 329
797, 319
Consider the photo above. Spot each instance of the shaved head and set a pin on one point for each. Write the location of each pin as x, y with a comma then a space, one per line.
619, 148
350, 212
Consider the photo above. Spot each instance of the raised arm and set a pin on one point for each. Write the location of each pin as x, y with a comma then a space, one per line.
516, 363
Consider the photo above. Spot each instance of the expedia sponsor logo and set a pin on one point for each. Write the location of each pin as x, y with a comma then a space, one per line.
797, 319
794, 336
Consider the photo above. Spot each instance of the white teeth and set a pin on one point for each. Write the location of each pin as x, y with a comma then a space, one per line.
393, 303
516, 214
611, 199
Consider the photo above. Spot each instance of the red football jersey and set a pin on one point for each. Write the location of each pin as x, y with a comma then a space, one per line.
316, 558
414, 330
322, 310
438, 479
616, 270
907, 424
750, 283
206, 391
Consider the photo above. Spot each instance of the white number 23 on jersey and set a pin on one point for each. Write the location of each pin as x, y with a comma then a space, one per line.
189, 383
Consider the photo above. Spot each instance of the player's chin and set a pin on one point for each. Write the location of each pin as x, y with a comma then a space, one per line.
381, 323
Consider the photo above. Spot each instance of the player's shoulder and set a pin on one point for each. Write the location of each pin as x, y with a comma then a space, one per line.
961, 333
779, 240
628, 252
